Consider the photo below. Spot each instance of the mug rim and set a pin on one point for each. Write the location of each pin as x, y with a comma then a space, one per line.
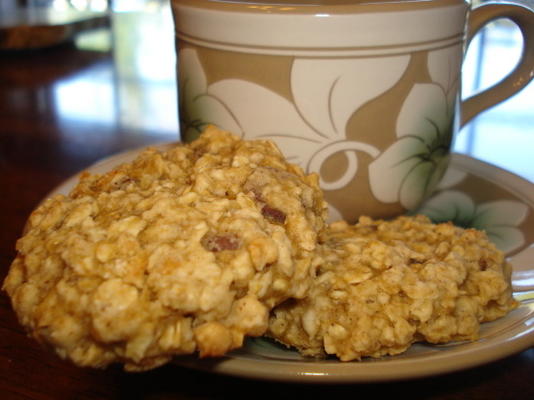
289, 7
313, 34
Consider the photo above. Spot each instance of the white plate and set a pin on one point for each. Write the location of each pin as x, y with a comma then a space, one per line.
473, 193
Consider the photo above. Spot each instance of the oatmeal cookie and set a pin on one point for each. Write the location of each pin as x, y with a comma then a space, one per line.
382, 286
178, 251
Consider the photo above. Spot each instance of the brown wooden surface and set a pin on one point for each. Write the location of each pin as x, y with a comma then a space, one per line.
41, 144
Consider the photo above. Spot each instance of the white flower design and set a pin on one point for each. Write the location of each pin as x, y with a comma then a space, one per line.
195, 102
499, 219
416, 162
326, 93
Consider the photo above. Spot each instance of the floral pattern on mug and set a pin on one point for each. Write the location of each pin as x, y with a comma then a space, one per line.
418, 160
195, 102
500, 219
309, 133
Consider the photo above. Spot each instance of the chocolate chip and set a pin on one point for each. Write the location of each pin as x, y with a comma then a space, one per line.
483, 264
220, 242
274, 215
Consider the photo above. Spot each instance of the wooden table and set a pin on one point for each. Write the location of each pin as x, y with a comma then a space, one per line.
45, 137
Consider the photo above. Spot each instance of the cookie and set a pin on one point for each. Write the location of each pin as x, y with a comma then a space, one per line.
179, 251
382, 285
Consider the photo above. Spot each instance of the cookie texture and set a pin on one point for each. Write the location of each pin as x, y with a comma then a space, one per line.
179, 251
382, 285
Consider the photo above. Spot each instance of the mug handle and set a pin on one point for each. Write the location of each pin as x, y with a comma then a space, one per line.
520, 76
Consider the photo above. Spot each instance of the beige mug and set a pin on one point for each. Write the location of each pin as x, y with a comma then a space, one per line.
365, 93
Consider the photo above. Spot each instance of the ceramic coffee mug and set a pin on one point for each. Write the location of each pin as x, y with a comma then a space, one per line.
365, 93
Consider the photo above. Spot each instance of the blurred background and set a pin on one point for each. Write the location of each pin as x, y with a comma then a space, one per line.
504, 135
128, 83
